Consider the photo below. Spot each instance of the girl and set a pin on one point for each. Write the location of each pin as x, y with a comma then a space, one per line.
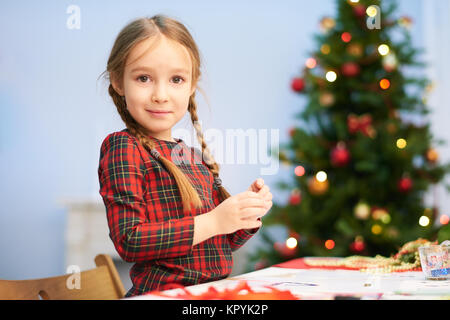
172, 218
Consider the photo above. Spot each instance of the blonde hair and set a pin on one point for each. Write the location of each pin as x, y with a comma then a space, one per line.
133, 33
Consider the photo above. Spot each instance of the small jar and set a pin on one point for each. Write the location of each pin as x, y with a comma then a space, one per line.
435, 261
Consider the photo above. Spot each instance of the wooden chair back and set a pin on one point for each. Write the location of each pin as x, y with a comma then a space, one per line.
101, 283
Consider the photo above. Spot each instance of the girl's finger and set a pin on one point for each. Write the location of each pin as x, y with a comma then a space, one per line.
259, 183
268, 196
268, 205
254, 213
252, 202
264, 190
248, 194
251, 224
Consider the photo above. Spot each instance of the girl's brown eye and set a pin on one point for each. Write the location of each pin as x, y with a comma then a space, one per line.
180, 79
143, 77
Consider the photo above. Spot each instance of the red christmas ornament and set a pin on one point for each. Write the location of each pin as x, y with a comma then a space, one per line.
357, 246
359, 10
292, 131
298, 84
405, 184
346, 37
340, 156
361, 123
295, 198
350, 69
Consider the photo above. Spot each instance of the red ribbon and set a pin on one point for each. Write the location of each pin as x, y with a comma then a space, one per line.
362, 123
232, 294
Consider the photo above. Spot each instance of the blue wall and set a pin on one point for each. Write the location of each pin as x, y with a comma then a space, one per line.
55, 113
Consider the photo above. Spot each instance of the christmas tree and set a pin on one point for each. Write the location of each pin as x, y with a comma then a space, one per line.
363, 156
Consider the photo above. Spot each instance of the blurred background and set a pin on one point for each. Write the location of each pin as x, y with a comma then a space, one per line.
55, 112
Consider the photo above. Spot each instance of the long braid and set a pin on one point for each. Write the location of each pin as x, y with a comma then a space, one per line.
210, 162
188, 193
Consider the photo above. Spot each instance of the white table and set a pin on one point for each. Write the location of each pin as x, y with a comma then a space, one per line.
320, 284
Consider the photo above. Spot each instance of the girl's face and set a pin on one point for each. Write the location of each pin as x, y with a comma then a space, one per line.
157, 85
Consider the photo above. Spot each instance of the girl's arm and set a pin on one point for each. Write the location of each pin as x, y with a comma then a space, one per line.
205, 227
121, 175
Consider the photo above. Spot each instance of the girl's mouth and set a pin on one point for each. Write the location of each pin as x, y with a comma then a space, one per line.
158, 114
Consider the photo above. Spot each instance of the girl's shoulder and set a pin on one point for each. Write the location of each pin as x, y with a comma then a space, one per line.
119, 137
120, 143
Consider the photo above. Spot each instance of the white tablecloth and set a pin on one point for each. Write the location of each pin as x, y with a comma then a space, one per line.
314, 284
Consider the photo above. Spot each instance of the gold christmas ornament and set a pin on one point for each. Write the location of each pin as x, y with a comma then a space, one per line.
325, 49
327, 23
317, 187
376, 229
432, 155
378, 214
355, 49
326, 99
391, 128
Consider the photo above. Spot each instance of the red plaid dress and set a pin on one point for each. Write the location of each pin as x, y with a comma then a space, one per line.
145, 217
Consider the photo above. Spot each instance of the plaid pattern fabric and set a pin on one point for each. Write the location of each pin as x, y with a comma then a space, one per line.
146, 220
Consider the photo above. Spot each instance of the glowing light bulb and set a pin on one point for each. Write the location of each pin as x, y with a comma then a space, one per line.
376, 229
311, 63
386, 218
383, 49
424, 221
321, 176
385, 84
291, 243
325, 49
329, 244
299, 171
346, 37
444, 219
401, 143
371, 11
331, 76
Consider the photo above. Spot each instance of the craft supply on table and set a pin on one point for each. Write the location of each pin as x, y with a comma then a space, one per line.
435, 261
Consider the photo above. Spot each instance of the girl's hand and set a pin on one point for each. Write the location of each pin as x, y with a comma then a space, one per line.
259, 187
239, 212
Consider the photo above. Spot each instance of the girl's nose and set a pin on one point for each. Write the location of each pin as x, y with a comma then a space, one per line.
159, 94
